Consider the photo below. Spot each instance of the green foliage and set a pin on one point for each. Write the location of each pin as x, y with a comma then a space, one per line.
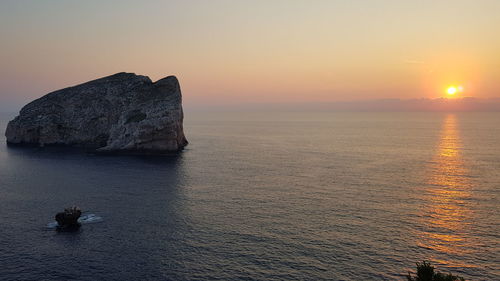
425, 272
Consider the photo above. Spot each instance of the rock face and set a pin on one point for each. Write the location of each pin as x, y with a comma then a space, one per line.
119, 113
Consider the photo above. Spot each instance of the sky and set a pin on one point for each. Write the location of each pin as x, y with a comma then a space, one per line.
254, 52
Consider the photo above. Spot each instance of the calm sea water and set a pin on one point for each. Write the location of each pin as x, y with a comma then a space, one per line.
265, 196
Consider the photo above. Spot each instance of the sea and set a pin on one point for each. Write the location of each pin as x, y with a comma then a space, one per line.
264, 196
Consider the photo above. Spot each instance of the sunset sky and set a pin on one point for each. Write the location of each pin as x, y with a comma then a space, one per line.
233, 52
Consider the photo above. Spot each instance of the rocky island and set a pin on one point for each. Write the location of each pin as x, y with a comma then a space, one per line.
123, 112
68, 220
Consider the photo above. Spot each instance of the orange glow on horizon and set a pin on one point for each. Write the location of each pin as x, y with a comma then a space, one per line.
254, 53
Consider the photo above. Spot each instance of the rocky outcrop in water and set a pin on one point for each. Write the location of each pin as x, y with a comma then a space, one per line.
119, 113
69, 218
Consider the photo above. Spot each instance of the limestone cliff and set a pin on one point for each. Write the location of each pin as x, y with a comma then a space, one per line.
119, 113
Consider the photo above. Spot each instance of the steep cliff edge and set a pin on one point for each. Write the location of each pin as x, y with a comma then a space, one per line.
123, 112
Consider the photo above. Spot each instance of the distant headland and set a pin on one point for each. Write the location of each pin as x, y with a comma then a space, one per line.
466, 104
121, 113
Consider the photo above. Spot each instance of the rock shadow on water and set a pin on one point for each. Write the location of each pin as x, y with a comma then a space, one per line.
67, 153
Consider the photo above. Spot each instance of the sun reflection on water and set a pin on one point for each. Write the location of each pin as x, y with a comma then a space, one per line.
446, 213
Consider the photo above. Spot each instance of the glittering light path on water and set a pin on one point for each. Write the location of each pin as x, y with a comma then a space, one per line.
446, 211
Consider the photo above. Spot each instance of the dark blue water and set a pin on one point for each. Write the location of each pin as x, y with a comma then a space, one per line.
264, 196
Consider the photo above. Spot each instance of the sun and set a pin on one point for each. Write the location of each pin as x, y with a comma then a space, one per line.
452, 90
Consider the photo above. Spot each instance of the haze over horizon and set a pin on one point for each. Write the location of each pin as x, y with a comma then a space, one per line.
235, 52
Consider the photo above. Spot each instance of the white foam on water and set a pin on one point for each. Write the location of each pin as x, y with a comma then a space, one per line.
52, 224
90, 218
